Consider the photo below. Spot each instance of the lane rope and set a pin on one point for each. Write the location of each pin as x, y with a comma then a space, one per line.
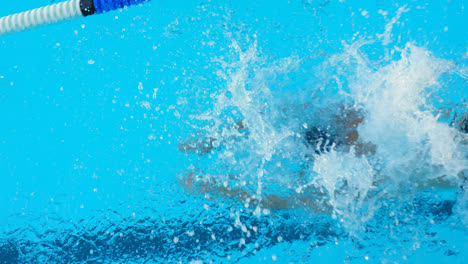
64, 11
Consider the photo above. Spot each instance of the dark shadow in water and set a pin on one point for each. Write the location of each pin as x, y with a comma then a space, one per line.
215, 237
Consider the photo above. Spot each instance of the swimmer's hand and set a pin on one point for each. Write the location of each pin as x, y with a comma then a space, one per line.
203, 145
197, 145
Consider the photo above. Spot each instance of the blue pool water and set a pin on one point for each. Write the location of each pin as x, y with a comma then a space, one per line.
177, 132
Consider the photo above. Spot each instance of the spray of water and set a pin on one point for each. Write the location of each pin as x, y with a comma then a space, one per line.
255, 141
414, 149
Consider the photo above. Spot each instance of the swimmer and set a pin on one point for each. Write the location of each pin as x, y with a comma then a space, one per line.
320, 139
343, 137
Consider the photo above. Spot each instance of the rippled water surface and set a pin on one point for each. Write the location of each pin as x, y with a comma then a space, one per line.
296, 131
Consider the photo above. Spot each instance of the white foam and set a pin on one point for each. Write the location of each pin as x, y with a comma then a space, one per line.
412, 146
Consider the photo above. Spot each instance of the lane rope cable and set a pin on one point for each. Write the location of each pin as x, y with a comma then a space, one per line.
52, 14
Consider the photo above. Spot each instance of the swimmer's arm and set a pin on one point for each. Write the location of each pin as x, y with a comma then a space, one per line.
197, 145
211, 189
203, 145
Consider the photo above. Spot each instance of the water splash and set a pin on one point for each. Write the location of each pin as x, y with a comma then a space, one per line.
255, 134
413, 148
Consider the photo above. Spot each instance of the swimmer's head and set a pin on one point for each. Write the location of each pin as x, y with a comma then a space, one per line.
320, 140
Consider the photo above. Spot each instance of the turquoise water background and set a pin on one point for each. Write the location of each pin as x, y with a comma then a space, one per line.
92, 112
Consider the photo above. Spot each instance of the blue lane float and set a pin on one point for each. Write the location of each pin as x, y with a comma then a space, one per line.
52, 14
